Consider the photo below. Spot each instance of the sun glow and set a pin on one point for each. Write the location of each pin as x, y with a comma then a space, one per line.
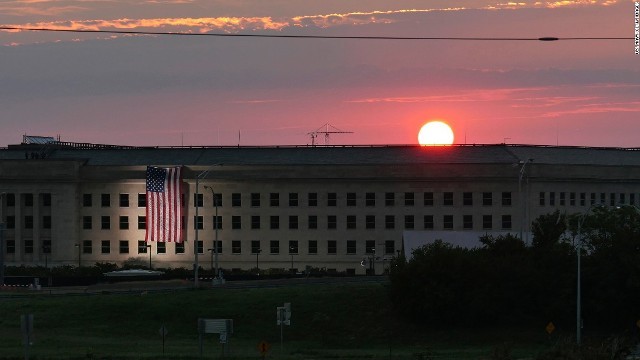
435, 133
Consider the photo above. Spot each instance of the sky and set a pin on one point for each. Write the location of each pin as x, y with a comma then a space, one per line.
155, 90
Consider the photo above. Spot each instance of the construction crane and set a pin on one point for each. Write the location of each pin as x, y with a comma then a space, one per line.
326, 129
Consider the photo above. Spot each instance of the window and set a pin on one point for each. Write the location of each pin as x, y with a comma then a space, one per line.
87, 247
593, 199
332, 247
351, 222
274, 199
11, 246
487, 199
370, 247
351, 247
105, 222
105, 200
389, 247
142, 222
542, 198
603, 198
275, 222
293, 246
198, 200
142, 200
409, 222
428, 199
123, 247
217, 199
28, 222
370, 221
389, 199
142, 247
293, 199
236, 247
447, 199
612, 199
632, 199
105, 247
389, 222
255, 247
28, 200
487, 222
506, 221
332, 222
46, 246
28, 246
87, 222
313, 246
236, 222
622, 199
572, 199
409, 199
124, 222
293, 222
161, 248
332, 199
467, 222
370, 199
467, 199
46, 199
447, 222
583, 199
552, 199
236, 199
312, 199
351, 199
124, 200
179, 248
255, 199
313, 222
198, 222
217, 222
274, 247
428, 222
86, 200
11, 199
506, 198
11, 222
217, 245
562, 198
255, 222
200, 247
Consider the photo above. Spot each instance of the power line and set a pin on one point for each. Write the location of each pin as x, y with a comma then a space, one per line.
135, 32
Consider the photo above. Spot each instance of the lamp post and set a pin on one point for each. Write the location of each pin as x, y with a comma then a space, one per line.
257, 256
291, 251
211, 251
216, 226
149, 250
2, 195
201, 175
523, 199
79, 249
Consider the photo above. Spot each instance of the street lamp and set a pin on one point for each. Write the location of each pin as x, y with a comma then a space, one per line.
211, 251
79, 249
201, 175
149, 250
291, 251
524, 200
2, 195
216, 226
257, 265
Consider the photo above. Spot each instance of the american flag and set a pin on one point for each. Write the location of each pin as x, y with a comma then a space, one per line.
164, 209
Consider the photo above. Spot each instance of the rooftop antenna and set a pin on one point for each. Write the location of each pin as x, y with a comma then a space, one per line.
326, 129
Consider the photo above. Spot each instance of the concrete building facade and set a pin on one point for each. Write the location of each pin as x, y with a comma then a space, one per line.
292, 207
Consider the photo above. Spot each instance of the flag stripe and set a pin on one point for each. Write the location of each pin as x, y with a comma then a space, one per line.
164, 211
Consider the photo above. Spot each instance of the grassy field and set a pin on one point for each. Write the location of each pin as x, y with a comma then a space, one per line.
328, 321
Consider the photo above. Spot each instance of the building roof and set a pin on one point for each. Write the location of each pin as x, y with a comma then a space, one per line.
331, 155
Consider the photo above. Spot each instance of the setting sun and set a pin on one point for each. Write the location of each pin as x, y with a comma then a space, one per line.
435, 133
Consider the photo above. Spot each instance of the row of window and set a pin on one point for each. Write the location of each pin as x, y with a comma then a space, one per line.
351, 199
350, 247
580, 199
28, 222
351, 222
28, 247
28, 199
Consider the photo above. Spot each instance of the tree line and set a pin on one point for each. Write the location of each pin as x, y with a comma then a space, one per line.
507, 282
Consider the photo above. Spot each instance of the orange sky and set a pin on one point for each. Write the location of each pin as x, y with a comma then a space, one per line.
159, 90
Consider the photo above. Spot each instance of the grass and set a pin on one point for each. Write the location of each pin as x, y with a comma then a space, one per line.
328, 321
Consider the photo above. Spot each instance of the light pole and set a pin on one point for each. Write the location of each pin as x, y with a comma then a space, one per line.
201, 175
149, 250
291, 251
2, 195
257, 256
211, 251
79, 249
523, 199
216, 225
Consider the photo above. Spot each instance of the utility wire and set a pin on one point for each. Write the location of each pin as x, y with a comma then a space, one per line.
135, 32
